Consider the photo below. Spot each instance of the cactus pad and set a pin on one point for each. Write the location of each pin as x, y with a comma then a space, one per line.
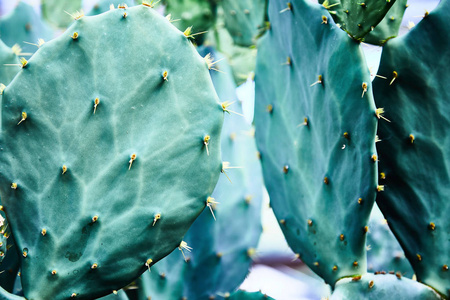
356, 17
388, 28
103, 171
315, 128
414, 156
387, 286
244, 19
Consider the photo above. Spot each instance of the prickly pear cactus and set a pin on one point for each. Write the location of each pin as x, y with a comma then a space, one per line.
242, 295
105, 5
57, 12
222, 251
23, 26
384, 252
357, 18
244, 19
104, 171
200, 14
315, 128
388, 286
414, 156
388, 28
116, 295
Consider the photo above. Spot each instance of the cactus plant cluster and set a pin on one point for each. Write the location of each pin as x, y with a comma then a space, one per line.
125, 161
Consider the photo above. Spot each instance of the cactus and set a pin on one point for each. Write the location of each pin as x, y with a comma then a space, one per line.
23, 26
388, 286
384, 252
104, 171
357, 18
242, 295
222, 252
117, 295
414, 159
388, 28
105, 5
315, 127
244, 19
56, 12
198, 14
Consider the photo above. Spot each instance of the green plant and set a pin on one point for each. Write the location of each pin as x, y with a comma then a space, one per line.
104, 171
315, 122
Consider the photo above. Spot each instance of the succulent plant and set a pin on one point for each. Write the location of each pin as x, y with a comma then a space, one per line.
414, 160
315, 124
104, 170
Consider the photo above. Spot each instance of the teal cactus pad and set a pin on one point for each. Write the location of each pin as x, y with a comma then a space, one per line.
414, 152
388, 28
105, 5
244, 19
222, 250
388, 286
357, 18
200, 14
21, 26
90, 159
56, 12
384, 252
315, 128
243, 295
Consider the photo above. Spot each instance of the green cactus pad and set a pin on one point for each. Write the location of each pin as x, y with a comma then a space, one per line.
222, 251
356, 17
414, 154
388, 28
56, 12
243, 295
22, 26
384, 252
91, 158
200, 14
315, 128
381, 286
244, 19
